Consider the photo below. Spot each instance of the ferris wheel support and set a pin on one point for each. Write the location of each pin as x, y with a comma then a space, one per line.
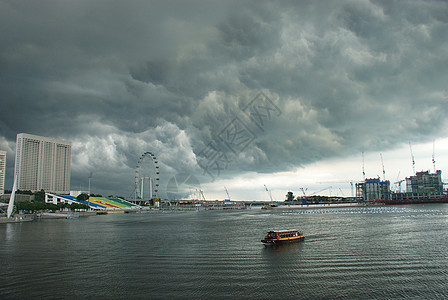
139, 188
142, 186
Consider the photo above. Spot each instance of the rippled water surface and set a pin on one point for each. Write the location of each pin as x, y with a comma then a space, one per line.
398, 252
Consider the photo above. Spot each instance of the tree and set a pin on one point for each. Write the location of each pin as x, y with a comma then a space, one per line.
82, 197
78, 206
290, 197
32, 206
25, 205
24, 192
39, 196
62, 205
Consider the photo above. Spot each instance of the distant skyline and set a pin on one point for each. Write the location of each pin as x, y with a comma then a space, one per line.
279, 93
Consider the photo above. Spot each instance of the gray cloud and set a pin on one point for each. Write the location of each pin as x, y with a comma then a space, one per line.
119, 79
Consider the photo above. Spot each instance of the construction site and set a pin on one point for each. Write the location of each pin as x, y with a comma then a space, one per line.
421, 187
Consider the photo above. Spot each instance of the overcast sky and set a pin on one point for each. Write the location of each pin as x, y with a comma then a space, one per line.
234, 93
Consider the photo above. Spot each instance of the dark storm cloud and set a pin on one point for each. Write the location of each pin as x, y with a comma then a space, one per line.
121, 78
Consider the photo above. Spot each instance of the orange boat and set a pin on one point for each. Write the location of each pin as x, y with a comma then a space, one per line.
278, 237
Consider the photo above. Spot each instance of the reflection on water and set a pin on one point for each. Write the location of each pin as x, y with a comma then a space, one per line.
289, 247
374, 253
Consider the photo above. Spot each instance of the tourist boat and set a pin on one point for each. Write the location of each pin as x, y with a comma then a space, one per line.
278, 237
269, 206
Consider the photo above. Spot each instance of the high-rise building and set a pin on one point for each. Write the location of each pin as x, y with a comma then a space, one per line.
2, 171
373, 189
425, 182
42, 163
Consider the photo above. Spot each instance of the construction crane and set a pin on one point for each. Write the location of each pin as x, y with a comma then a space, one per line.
433, 155
413, 161
363, 170
304, 200
203, 197
269, 193
351, 184
321, 190
227, 192
399, 182
303, 191
382, 164
329, 187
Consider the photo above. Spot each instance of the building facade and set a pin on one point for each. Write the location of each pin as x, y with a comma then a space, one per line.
2, 171
42, 163
425, 182
373, 189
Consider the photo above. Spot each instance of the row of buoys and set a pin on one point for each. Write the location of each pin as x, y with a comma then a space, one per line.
382, 210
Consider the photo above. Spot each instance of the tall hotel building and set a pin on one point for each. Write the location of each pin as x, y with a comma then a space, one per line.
42, 163
2, 171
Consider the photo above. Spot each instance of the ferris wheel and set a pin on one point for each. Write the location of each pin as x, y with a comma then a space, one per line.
153, 179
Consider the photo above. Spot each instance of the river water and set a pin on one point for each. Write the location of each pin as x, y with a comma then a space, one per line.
396, 252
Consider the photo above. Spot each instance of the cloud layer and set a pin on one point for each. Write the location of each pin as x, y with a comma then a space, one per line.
119, 79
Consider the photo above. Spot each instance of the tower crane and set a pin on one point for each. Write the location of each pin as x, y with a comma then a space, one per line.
433, 155
203, 197
303, 191
351, 181
413, 161
382, 164
363, 170
269, 193
227, 192
304, 200
329, 187
399, 182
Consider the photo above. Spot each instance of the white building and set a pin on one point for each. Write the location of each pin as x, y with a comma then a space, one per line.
2, 171
42, 163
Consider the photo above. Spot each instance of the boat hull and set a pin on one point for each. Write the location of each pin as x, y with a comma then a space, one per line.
273, 242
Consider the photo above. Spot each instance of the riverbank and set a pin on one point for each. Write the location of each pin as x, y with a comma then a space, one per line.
16, 219
23, 217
